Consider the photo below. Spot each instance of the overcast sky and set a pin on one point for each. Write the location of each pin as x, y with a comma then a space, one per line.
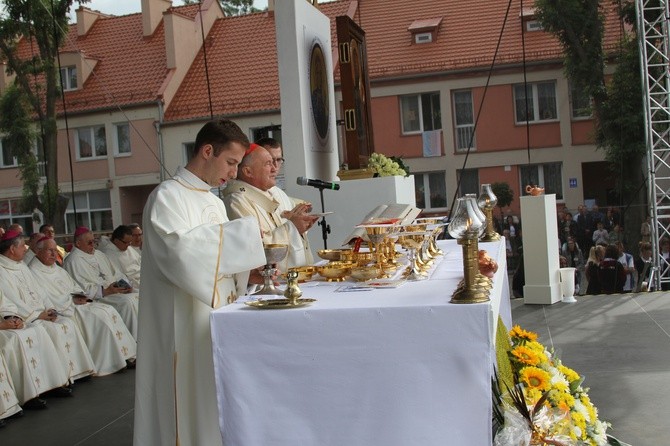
121, 7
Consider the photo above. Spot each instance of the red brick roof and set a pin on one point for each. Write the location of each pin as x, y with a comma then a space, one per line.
242, 62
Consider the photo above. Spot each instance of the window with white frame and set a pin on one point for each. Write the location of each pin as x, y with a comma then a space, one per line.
122, 139
580, 103
10, 213
91, 142
7, 158
548, 175
68, 76
420, 112
94, 210
536, 103
273, 131
468, 181
464, 120
431, 190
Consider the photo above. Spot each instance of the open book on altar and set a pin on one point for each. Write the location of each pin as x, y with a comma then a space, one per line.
384, 213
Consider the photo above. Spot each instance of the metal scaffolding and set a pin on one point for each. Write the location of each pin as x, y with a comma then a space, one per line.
652, 18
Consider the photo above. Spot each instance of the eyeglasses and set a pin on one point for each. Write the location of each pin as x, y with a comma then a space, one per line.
278, 161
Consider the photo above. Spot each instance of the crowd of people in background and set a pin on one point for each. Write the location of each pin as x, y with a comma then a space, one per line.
594, 243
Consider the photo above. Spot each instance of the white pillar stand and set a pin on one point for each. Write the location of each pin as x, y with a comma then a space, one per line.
568, 284
540, 249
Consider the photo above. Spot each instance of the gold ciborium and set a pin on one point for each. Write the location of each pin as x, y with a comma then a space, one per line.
377, 233
273, 253
465, 227
486, 202
436, 225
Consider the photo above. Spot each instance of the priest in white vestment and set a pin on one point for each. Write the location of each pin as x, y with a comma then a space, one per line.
123, 257
22, 288
136, 244
105, 334
194, 260
250, 195
93, 271
31, 358
9, 403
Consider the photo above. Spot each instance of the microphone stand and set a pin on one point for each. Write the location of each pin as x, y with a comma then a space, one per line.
325, 227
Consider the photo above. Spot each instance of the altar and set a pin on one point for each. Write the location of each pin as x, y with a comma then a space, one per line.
392, 367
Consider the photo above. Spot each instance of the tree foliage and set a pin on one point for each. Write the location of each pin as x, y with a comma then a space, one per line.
232, 7
505, 196
617, 104
44, 24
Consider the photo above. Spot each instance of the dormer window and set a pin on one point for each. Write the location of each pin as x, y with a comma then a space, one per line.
68, 77
529, 20
425, 30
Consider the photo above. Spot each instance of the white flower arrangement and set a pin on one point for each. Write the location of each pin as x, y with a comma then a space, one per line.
386, 167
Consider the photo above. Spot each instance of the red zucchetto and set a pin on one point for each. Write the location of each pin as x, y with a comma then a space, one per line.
10, 235
81, 230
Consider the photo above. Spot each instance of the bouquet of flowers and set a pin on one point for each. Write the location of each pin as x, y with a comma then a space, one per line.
386, 167
540, 401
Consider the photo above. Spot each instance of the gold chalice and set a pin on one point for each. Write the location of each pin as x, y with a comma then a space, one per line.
377, 233
413, 241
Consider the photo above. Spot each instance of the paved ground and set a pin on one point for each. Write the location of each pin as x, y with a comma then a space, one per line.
620, 343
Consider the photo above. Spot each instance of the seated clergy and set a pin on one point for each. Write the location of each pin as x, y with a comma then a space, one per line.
31, 358
250, 195
106, 336
136, 244
24, 291
125, 259
96, 275
30, 252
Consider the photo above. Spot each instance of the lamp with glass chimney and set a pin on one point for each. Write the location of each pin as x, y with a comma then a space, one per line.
487, 201
466, 227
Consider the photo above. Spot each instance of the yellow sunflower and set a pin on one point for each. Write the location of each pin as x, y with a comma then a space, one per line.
520, 333
525, 355
570, 374
535, 378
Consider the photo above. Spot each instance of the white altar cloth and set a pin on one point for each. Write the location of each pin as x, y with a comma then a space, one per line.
392, 367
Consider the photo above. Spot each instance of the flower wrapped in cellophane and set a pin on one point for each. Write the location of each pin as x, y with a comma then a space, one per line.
543, 401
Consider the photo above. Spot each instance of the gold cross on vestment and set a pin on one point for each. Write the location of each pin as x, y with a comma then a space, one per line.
124, 350
71, 366
6, 395
33, 361
29, 342
37, 381
119, 334
2, 377
65, 328
231, 298
67, 346
114, 318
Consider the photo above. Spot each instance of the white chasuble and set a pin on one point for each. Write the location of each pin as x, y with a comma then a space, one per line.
30, 356
193, 260
23, 290
104, 332
126, 262
92, 272
9, 403
243, 199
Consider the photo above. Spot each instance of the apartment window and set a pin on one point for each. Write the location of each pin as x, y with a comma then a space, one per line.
420, 112
464, 120
10, 213
431, 190
538, 99
547, 175
68, 76
468, 181
580, 103
533, 25
91, 142
7, 159
94, 210
122, 139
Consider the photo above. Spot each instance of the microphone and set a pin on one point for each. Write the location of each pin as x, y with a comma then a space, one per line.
317, 183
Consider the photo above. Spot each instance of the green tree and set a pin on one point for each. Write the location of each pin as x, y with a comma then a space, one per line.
617, 105
232, 7
38, 84
505, 196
